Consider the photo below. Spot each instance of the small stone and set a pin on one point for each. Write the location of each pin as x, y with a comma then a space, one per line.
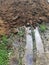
15, 30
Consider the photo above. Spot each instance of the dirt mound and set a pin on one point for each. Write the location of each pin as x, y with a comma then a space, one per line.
19, 12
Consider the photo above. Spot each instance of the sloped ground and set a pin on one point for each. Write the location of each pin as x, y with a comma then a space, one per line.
38, 59
44, 59
15, 13
18, 43
19, 47
45, 37
18, 12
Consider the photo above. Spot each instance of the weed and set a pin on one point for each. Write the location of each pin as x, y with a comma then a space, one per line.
4, 39
42, 27
3, 51
3, 57
21, 32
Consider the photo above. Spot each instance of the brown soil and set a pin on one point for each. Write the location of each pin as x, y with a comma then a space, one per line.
16, 13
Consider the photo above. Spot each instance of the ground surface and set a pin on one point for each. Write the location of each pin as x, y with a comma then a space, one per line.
16, 13
39, 58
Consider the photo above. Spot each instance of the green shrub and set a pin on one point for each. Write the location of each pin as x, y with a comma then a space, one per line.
4, 51
21, 32
4, 39
42, 27
2, 46
3, 57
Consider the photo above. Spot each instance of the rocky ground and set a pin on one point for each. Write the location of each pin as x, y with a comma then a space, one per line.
18, 45
18, 51
44, 59
38, 59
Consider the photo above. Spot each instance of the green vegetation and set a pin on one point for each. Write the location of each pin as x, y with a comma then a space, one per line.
3, 57
4, 39
3, 51
20, 61
21, 54
21, 32
42, 27
21, 49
